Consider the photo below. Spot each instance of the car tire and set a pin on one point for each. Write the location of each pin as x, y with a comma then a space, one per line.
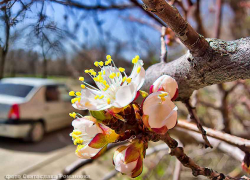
36, 133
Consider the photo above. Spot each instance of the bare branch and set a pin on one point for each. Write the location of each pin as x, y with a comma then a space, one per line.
163, 45
194, 117
227, 61
177, 170
170, 15
218, 18
186, 161
79, 5
149, 13
82, 162
110, 175
241, 143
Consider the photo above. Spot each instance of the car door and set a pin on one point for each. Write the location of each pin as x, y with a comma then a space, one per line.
54, 109
66, 104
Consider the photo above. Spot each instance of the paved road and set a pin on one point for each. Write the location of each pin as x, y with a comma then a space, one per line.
17, 157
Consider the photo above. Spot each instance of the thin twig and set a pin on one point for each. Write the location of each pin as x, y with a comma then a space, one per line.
218, 18
241, 143
186, 161
177, 170
163, 45
83, 162
110, 175
149, 13
190, 38
194, 117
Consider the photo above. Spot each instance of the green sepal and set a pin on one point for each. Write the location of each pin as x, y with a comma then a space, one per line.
100, 115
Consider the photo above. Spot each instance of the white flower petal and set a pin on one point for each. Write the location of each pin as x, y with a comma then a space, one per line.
125, 95
138, 78
121, 166
168, 83
108, 70
86, 127
89, 102
160, 113
87, 152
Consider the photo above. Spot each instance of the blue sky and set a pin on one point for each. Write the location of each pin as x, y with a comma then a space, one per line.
138, 37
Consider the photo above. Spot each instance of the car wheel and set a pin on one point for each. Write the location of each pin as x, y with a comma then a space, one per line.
36, 133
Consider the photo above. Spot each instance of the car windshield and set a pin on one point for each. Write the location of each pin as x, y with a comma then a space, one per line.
18, 90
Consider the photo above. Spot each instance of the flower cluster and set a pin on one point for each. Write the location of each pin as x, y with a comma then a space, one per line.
115, 116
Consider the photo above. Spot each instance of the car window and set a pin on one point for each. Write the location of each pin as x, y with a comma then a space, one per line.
64, 93
18, 90
52, 93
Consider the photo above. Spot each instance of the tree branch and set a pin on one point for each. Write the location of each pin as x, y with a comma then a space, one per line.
226, 61
177, 170
79, 5
194, 117
209, 62
82, 162
148, 13
186, 161
241, 143
170, 15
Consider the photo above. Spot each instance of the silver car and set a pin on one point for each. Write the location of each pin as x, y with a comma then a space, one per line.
29, 107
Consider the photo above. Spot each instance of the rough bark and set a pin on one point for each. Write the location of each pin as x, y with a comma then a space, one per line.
210, 61
171, 16
225, 61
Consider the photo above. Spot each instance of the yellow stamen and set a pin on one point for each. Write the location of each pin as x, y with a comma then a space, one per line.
78, 141
107, 63
163, 99
144, 94
104, 72
79, 147
76, 132
72, 93
117, 74
96, 97
108, 57
137, 57
86, 71
73, 101
112, 76
121, 69
129, 80
74, 136
108, 101
96, 64
101, 63
101, 97
163, 94
78, 94
124, 79
81, 78
139, 69
83, 86
73, 115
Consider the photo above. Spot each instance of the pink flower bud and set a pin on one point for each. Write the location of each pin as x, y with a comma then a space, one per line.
159, 112
129, 159
166, 83
91, 137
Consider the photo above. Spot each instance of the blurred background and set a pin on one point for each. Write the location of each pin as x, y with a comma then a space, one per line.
46, 45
